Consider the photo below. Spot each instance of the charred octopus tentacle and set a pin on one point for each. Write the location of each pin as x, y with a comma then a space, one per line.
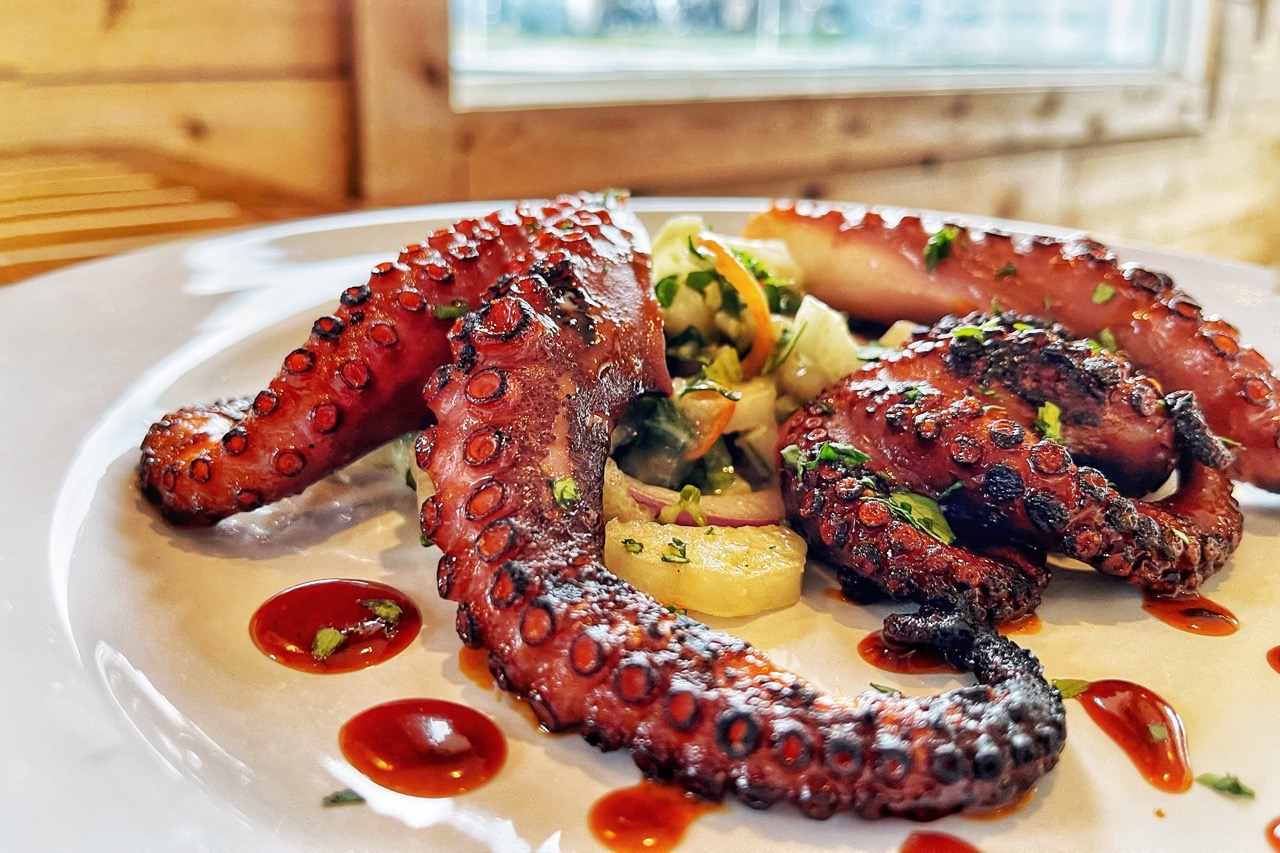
357, 381
950, 417
573, 341
882, 268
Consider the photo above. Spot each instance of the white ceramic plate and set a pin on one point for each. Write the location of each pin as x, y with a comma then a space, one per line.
138, 715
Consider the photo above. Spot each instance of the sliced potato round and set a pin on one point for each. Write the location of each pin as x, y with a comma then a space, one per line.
721, 571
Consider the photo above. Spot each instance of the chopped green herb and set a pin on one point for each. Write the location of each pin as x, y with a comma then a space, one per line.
872, 351
845, 454
665, 290
968, 331
954, 487
995, 306
1070, 688
674, 552
1006, 271
1049, 421
1227, 783
345, 797
911, 395
923, 513
326, 641
387, 611
703, 383
1159, 733
886, 690
699, 280
424, 541
1103, 293
451, 310
1229, 442
632, 546
988, 392
782, 349
783, 299
1108, 340
939, 246
690, 502
725, 368
565, 491
730, 302
677, 611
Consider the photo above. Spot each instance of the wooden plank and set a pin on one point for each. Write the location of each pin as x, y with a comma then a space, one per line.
153, 39
96, 201
410, 141
128, 218
291, 134
38, 188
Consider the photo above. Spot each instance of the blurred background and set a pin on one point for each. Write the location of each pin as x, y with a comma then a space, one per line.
123, 122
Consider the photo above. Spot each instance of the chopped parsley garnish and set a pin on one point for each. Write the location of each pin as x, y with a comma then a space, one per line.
704, 383
1070, 688
386, 611
911, 395
872, 351
674, 552
677, 611
451, 310
829, 451
1229, 442
1048, 421
700, 280
886, 690
690, 502
1103, 293
1006, 271
968, 331
565, 491
632, 546
1159, 732
1227, 783
939, 246
345, 797
326, 641
1108, 340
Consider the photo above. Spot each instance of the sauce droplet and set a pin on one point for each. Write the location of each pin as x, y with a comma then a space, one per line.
883, 653
424, 747
1273, 834
1193, 613
474, 664
647, 817
935, 842
1273, 658
335, 625
1029, 624
1146, 727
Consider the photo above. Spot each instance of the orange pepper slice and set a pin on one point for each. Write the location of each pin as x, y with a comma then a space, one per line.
709, 412
752, 293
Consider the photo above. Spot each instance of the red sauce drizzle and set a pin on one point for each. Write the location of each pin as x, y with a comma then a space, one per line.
1273, 834
1193, 613
285, 626
1146, 727
1029, 624
1273, 658
424, 747
885, 654
645, 818
935, 842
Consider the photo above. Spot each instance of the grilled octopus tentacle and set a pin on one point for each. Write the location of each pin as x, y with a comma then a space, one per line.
876, 269
560, 351
357, 381
950, 417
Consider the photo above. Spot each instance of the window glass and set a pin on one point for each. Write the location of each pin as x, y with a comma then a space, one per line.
529, 52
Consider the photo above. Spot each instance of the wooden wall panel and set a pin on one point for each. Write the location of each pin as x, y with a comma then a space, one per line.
42, 39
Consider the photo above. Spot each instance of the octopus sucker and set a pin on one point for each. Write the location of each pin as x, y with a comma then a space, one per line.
357, 381
588, 652
870, 266
951, 417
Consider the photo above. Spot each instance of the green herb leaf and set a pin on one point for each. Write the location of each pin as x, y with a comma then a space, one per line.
886, 690
968, 331
326, 641
1049, 421
987, 392
1108, 340
1103, 293
674, 552
1227, 783
345, 797
872, 351
844, 454
1070, 688
665, 291
677, 611
565, 491
690, 502
451, 310
923, 513
1159, 733
700, 280
702, 383
911, 395
939, 246
782, 350
1006, 271
1229, 442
